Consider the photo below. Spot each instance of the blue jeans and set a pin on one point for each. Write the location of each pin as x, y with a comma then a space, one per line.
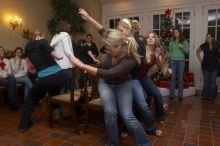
152, 90
139, 99
209, 84
177, 67
118, 99
27, 84
11, 86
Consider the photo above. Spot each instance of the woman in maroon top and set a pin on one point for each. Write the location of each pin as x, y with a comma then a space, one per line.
115, 85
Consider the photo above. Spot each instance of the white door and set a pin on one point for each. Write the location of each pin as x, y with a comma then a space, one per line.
112, 21
211, 22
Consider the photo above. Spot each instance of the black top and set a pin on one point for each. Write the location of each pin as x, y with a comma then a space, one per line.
118, 73
81, 52
38, 51
142, 52
103, 50
211, 57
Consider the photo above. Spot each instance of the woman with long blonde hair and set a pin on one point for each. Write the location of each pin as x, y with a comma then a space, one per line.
156, 60
115, 86
128, 28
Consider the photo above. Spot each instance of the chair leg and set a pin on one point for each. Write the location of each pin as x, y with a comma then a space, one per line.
74, 118
50, 109
86, 120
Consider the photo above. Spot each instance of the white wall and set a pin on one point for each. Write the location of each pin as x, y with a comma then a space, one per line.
146, 7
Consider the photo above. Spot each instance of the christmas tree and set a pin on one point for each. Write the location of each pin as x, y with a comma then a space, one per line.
165, 36
66, 10
166, 29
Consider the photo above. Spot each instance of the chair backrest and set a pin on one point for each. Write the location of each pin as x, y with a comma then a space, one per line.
83, 85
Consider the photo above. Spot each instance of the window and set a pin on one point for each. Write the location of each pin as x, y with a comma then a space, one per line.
114, 22
214, 23
157, 21
182, 21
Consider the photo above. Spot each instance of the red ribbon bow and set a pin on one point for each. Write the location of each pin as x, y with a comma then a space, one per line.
2, 65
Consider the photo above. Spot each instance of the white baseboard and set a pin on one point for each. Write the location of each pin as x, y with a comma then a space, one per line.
186, 92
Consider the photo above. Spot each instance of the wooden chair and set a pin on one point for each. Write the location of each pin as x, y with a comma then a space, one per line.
93, 100
70, 99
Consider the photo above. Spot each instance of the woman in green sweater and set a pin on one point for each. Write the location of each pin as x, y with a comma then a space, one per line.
178, 48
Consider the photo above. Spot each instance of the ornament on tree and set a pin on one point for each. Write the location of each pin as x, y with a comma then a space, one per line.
168, 12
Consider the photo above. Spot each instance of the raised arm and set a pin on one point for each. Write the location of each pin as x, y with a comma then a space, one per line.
88, 18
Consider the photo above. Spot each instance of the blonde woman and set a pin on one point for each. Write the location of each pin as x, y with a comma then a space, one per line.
128, 29
19, 70
115, 86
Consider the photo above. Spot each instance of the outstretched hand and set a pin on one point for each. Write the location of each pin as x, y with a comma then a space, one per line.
83, 13
77, 62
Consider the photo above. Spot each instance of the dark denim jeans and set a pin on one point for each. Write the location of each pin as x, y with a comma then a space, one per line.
118, 99
177, 67
209, 83
26, 82
69, 74
10, 83
152, 90
51, 84
141, 105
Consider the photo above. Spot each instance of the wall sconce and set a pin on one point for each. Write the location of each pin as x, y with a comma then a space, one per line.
14, 22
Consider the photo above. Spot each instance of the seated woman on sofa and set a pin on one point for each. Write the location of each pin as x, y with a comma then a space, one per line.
6, 79
19, 70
